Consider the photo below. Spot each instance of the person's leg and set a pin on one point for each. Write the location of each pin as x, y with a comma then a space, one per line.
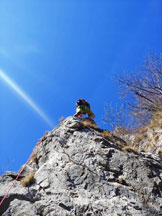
79, 114
90, 114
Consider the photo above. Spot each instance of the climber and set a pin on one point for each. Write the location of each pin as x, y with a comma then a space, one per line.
82, 108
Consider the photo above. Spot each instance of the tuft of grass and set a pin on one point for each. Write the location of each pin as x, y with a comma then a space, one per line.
156, 118
122, 181
28, 180
156, 137
89, 123
148, 135
139, 137
61, 119
107, 134
160, 153
34, 158
129, 149
46, 132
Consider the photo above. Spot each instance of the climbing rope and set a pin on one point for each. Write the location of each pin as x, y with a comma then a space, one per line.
21, 171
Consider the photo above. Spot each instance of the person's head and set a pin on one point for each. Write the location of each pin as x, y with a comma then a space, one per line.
79, 101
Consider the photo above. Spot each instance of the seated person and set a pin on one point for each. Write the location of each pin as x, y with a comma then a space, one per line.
82, 108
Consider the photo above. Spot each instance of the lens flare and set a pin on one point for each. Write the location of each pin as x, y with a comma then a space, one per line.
25, 97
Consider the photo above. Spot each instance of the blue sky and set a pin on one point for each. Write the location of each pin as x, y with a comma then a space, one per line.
55, 52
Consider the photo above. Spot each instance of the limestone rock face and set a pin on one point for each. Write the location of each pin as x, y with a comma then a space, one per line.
77, 172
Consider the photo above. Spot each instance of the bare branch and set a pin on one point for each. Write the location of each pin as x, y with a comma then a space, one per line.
144, 88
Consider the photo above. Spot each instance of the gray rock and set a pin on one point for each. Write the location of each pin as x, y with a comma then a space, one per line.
78, 172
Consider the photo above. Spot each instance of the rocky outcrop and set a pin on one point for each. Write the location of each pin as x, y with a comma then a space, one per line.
78, 172
149, 139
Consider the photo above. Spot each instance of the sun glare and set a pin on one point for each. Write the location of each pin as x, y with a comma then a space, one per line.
25, 97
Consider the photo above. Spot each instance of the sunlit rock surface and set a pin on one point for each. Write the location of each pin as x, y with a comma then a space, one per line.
77, 172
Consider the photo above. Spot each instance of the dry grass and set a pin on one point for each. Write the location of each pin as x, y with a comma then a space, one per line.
89, 123
28, 180
142, 135
129, 149
122, 131
46, 132
149, 133
33, 158
121, 180
160, 153
113, 138
139, 137
145, 138
156, 137
61, 119
107, 134
156, 120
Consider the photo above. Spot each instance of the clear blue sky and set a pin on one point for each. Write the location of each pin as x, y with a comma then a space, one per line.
53, 52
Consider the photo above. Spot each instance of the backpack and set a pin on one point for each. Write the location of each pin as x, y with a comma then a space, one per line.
82, 102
